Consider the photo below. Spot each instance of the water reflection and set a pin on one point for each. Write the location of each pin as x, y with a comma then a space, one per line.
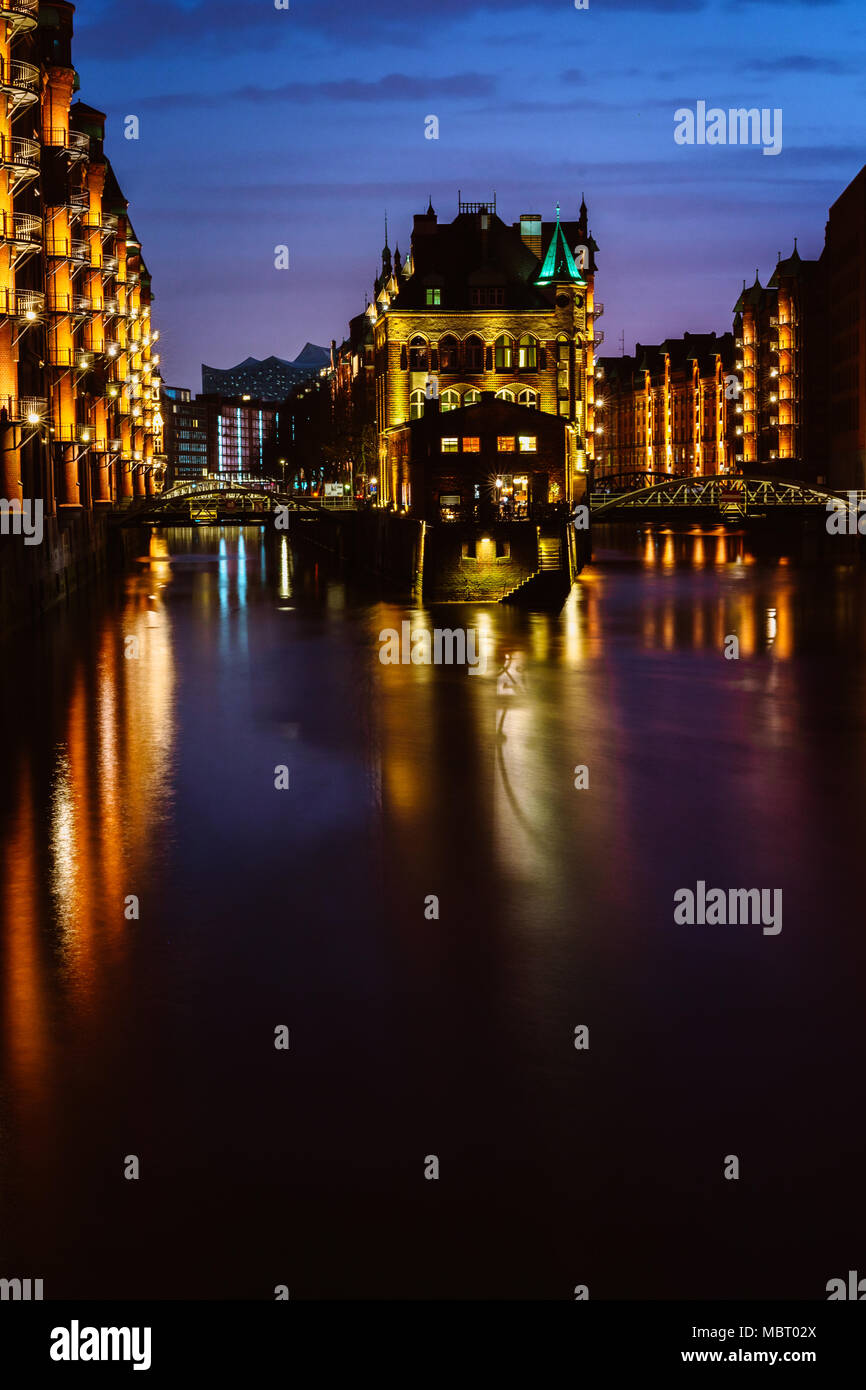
149, 721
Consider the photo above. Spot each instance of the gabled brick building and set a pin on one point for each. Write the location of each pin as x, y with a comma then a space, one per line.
666, 410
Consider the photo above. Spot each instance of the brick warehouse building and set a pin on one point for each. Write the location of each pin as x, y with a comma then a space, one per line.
482, 312
481, 462
780, 357
844, 347
80, 417
666, 410
799, 357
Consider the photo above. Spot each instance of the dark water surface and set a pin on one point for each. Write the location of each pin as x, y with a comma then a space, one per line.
411, 1037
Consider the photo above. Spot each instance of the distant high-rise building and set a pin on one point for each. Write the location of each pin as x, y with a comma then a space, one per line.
219, 435
186, 434
270, 380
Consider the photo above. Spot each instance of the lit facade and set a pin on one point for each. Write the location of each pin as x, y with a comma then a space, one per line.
234, 437
186, 435
779, 361
668, 409
81, 422
479, 309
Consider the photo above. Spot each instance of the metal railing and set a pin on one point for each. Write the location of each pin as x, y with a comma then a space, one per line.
78, 144
21, 153
24, 409
60, 357
22, 304
20, 9
18, 79
20, 228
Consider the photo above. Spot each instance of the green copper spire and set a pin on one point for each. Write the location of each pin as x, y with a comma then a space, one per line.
559, 265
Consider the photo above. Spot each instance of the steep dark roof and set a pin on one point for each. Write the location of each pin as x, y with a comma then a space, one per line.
458, 256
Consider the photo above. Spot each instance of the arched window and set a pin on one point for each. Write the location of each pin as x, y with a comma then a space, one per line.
448, 354
474, 354
562, 348
505, 394
416, 405
504, 354
449, 400
528, 398
527, 354
472, 397
419, 355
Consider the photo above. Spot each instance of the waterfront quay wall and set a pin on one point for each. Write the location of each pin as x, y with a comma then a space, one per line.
464, 562
376, 548
74, 551
441, 563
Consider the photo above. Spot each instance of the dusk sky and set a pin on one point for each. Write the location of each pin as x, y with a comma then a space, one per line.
262, 127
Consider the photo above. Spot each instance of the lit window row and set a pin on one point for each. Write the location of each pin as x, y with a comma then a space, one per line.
505, 444
450, 399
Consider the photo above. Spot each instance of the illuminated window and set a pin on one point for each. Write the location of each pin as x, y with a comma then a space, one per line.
504, 354
505, 444
416, 405
528, 398
474, 349
528, 443
419, 355
527, 354
448, 350
472, 398
450, 446
449, 400
505, 394
471, 444
434, 297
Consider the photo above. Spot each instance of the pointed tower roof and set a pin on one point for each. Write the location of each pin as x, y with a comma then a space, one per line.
792, 266
559, 266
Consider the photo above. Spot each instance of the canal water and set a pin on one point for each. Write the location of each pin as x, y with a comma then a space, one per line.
166, 908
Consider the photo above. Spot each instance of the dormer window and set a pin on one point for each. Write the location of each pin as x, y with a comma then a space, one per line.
487, 297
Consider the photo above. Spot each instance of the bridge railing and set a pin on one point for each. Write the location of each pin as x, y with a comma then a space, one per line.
725, 492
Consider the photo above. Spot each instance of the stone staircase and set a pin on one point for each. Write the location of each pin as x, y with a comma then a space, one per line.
547, 588
549, 553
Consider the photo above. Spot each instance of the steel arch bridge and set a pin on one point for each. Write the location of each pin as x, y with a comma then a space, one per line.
725, 494
210, 499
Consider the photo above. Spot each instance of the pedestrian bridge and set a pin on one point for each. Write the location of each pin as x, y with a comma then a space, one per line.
726, 496
216, 500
